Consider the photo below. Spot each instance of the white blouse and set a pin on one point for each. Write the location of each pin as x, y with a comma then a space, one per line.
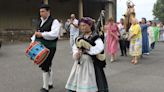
52, 34
98, 48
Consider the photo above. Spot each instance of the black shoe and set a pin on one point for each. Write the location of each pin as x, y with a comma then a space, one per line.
50, 86
43, 90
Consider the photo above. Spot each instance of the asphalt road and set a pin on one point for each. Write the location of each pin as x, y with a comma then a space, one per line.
19, 74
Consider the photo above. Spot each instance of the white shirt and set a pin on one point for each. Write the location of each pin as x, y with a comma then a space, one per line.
97, 49
53, 33
73, 29
43, 21
120, 26
121, 29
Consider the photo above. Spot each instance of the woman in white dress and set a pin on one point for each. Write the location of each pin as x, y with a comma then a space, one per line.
82, 77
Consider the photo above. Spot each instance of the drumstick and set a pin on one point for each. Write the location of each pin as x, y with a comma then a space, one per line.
33, 38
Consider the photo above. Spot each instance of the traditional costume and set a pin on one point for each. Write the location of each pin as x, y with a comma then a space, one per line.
49, 29
87, 74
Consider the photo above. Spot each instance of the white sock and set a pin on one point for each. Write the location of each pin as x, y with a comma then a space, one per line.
45, 80
51, 77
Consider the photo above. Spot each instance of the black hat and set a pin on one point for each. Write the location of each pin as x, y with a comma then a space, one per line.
45, 6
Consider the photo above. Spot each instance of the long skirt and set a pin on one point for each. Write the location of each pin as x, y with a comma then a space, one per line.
112, 45
82, 77
135, 47
102, 83
145, 43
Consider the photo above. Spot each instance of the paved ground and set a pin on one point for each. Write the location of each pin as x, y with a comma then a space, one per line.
19, 74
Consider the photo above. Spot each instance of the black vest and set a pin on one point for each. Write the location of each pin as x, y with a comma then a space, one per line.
46, 27
91, 39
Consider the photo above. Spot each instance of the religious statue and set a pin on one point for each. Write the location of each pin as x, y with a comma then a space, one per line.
129, 15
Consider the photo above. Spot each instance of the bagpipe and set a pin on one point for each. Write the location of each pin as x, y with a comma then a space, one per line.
97, 32
99, 27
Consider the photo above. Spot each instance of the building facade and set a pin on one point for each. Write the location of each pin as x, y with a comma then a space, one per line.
19, 17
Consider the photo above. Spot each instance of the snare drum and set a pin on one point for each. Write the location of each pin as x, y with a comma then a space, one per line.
37, 52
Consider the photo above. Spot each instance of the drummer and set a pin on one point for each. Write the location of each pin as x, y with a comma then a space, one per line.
47, 34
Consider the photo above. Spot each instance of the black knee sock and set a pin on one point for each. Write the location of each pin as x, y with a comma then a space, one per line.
70, 91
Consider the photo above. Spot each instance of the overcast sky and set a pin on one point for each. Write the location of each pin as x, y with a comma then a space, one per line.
143, 8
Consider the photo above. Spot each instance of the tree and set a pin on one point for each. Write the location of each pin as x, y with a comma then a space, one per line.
158, 10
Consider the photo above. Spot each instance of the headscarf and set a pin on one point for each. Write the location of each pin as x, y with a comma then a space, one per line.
86, 20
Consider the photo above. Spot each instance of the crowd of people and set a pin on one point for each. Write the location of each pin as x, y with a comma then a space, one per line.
88, 48
141, 38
